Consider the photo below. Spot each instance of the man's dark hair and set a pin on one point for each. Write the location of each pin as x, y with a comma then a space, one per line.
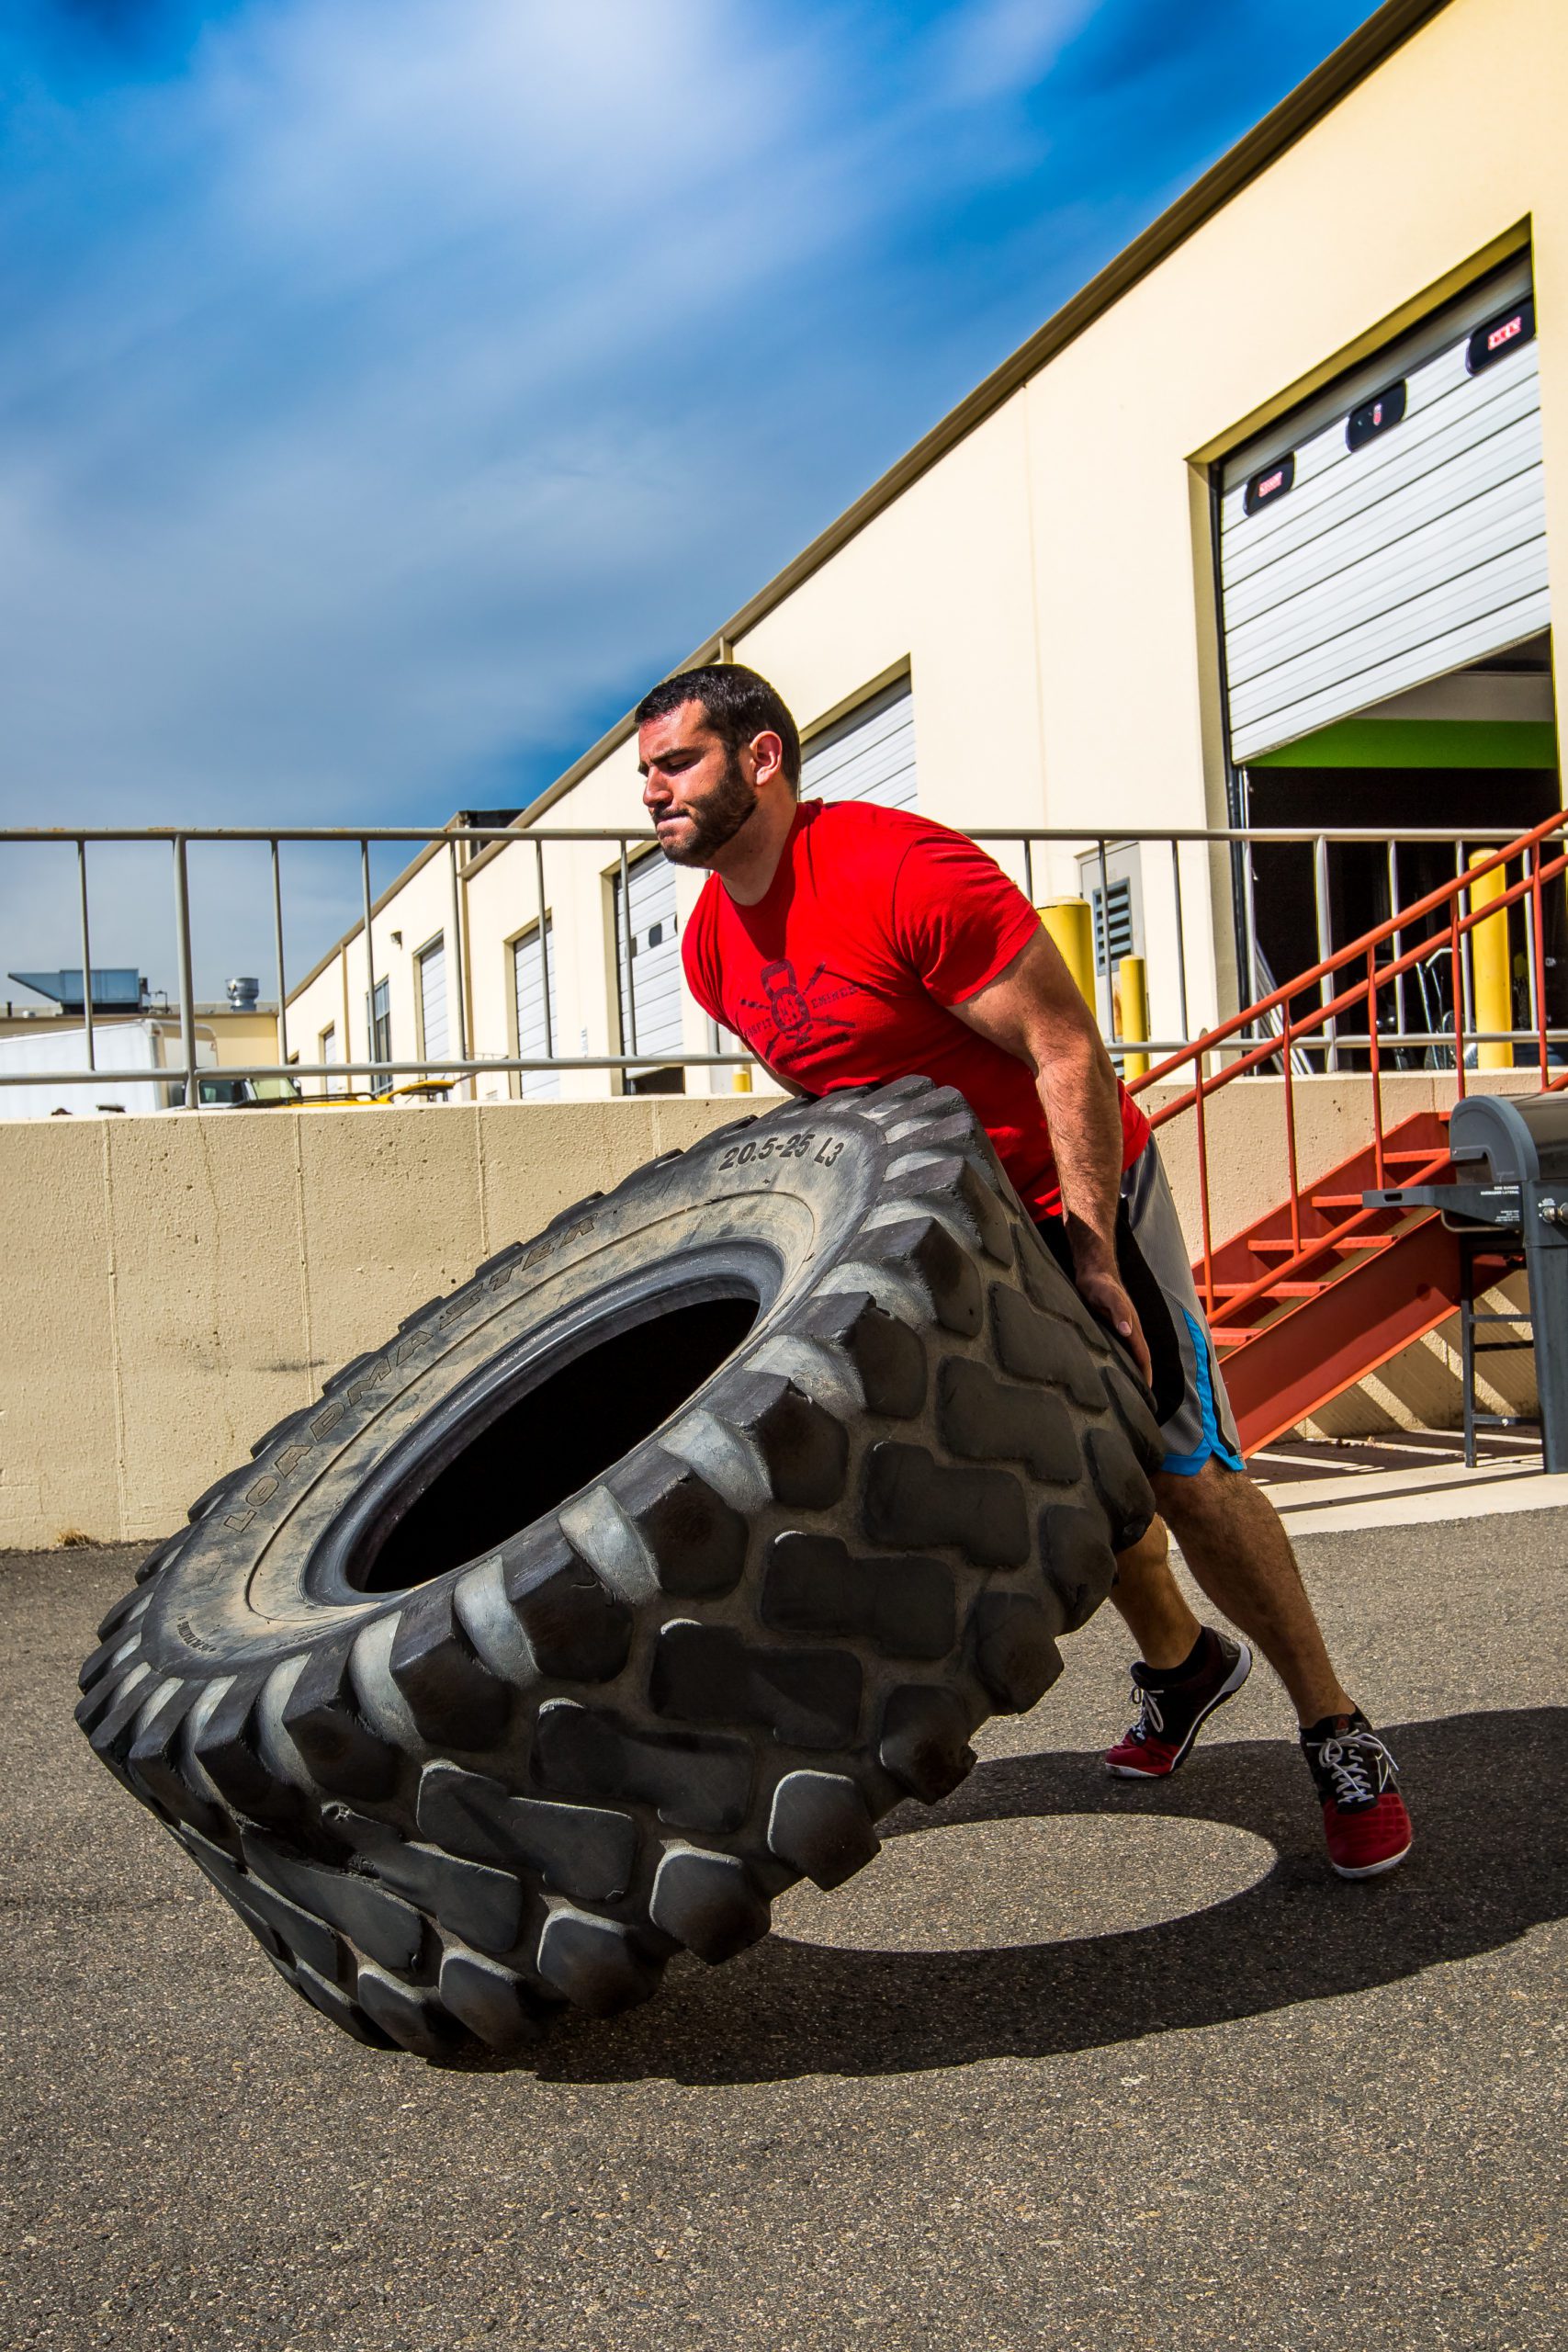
738, 705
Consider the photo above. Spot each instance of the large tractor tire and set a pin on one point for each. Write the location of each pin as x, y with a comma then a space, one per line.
633, 1579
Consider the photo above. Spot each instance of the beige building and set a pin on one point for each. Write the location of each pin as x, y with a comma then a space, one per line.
240, 1038
229, 1036
1257, 529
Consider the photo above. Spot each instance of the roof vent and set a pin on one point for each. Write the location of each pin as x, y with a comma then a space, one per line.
243, 993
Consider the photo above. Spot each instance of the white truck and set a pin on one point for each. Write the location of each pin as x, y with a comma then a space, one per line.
147, 1045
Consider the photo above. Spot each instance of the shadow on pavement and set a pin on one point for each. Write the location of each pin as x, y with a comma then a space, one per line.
1489, 1864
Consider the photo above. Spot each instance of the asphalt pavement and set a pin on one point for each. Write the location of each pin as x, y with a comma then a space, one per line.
1074, 2065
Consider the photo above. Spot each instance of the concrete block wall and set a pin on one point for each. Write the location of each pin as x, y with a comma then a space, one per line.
175, 1285
171, 1286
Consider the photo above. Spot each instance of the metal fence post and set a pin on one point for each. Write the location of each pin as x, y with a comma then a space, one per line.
1397, 942
277, 956
457, 986
1537, 961
1180, 941
1462, 983
545, 946
629, 942
1103, 929
370, 1066
188, 986
1324, 944
86, 952
1249, 904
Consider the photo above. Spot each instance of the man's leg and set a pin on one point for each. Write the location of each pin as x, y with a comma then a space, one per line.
1184, 1669
1238, 1549
1152, 1603
1231, 1535
1234, 1542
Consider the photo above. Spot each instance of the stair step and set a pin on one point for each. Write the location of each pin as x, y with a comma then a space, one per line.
1275, 1289
1254, 1306
1341, 1201
1322, 1241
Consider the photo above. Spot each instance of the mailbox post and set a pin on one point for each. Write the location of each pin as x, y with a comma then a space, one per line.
1520, 1145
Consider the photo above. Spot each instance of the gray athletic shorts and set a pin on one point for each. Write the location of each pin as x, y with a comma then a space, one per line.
1190, 1403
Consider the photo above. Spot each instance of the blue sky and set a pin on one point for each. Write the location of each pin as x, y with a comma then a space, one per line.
391, 388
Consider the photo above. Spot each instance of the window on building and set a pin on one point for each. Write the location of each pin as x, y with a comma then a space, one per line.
534, 1004
327, 1051
432, 1025
380, 1022
647, 968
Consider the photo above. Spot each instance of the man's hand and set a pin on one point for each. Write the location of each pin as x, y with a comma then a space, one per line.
1033, 1011
1102, 1294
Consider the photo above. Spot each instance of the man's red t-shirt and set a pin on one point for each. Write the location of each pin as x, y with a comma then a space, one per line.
843, 974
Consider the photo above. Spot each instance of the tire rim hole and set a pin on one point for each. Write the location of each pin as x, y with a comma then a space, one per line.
529, 1451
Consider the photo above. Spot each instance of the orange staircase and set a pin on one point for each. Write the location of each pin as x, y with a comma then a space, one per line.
1320, 1290
1296, 1323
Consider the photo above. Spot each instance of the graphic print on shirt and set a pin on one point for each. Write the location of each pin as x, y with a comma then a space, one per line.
794, 1012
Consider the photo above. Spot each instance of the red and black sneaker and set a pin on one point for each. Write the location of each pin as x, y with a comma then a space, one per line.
1172, 1706
1364, 1813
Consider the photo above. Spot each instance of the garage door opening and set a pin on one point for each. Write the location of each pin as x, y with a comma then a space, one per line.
1475, 754
1386, 620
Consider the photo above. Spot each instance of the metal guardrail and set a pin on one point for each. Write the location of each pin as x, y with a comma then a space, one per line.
1028, 844
1358, 974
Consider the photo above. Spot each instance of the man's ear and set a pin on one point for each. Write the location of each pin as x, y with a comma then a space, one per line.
767, 754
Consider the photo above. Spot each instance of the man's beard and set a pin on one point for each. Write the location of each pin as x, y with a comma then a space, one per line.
718, 820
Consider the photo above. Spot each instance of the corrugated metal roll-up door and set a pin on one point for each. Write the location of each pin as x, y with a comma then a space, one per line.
647, 962
869, 754
1395, 530
533, 994
432, 1001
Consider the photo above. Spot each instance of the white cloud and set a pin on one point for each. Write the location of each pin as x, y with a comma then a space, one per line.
998, 46
329, 473
390, 390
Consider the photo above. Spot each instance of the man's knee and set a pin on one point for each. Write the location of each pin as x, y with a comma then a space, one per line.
1199, 1496
1146, 1557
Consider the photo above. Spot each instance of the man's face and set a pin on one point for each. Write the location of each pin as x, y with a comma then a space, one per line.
698, 793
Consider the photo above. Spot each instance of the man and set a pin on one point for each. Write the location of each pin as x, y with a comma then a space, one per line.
850, 944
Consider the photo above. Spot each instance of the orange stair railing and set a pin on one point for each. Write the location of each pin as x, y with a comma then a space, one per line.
1320, 1290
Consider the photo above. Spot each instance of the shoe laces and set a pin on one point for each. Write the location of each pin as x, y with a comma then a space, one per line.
1349, 1758
1151, 1721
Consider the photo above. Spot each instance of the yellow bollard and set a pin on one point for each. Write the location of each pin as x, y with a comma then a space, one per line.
1134, 997
1490, 963
1070, 925
740, 1081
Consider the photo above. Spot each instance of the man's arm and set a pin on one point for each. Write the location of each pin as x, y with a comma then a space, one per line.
1033, 1011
